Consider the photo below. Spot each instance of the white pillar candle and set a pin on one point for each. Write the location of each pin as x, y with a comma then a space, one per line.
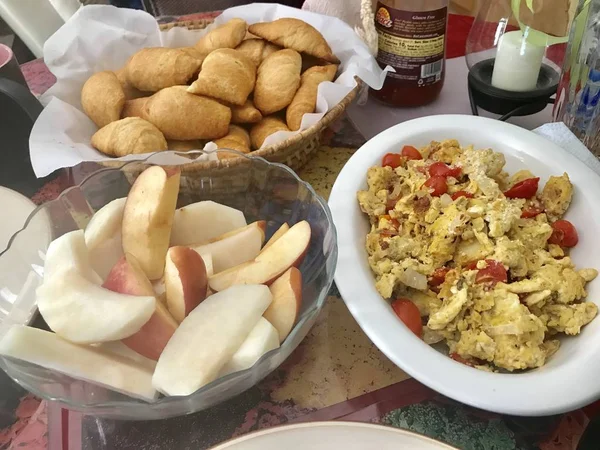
517, 64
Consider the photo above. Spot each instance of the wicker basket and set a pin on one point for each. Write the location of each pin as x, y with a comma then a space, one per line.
294, 152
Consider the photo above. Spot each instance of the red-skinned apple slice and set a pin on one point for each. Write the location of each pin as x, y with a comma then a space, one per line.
148, 218
81, 362
280, 232
199, 222
186, 281
69, 251
127, 277
287, 300
85, 313
235, 247
208, 338
287, 251
103, 236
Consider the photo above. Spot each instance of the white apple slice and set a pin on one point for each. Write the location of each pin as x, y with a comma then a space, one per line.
85, 363
235, 247
208, 262
186, 281
69, 251
199, 222
103, 236
287, 299
280, 232
148, 218
287, 251
120, 349
208, 338
262, 339
85, 313
127, 277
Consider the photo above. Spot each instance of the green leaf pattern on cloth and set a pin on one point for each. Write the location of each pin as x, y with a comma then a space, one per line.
453, 426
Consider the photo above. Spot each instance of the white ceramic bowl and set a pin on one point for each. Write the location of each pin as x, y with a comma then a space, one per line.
570, 378
333, 436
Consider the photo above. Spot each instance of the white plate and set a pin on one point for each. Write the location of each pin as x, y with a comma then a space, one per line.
19, 206
333, 436
570, 378
17, 286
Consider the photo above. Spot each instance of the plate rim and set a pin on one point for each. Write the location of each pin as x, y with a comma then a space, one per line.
331, 423
488, 395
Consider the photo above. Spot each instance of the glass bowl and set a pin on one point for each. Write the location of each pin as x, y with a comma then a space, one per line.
262, 190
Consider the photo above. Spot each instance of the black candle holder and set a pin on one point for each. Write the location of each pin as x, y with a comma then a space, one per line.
509, 103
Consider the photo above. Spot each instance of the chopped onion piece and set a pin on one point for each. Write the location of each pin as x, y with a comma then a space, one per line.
445, 200
414, 279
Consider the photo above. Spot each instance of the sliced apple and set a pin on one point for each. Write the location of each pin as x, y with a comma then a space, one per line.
287, 251
186, 281
103, 236
86, 363
287, 300
85, 313
262, 339
120, 349
148, 217
127, 277
208, 262
235, 247
69, 251
208, 338
199, 222
280, 232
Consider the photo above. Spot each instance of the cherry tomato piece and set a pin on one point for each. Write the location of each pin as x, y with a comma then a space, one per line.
456, 357
442, 170
493, 273
461, 194
392, 160
564, 234
531, 211
438, 185
410, 152
523, 189
394, 222
438, 276
408, 313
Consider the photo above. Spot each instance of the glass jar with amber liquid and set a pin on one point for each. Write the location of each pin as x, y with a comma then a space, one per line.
412, 40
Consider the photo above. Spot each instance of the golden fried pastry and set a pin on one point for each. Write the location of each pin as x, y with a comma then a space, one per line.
253, 49
228, 35
277, 81
247, 113
237, 139
305, 99
194, 53
227, 75
297, 35
264, 129
129, 91
153, 69
185, 146
257, 49
135, 108
129, 136
183, 116
102, 98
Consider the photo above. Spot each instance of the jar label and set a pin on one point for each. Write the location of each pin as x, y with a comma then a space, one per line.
412, 43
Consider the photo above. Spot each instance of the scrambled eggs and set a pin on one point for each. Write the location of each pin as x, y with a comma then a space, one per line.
481, 254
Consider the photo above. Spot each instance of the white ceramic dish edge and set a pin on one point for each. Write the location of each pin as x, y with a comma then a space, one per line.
333, 435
